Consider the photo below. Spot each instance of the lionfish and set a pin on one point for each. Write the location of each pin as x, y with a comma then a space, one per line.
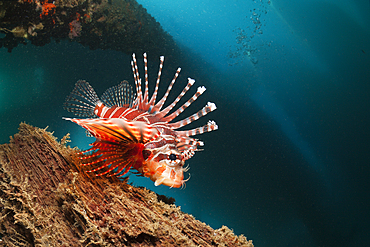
132, 131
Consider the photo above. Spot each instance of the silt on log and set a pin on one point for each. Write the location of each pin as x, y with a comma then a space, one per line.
45, 200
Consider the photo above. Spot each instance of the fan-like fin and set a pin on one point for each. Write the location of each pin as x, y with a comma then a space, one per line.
118, 146
82, 100
121, 95
115, 159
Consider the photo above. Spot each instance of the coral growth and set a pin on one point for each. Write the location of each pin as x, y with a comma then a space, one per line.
74, 29
47, 9
117, 25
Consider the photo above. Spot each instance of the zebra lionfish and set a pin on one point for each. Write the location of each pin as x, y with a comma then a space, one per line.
132, 131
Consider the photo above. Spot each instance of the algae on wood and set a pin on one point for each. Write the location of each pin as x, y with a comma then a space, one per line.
46, 201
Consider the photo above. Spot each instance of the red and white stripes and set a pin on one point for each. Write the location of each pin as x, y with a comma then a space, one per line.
133, 131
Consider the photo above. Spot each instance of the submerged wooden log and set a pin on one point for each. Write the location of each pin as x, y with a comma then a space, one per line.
46, 201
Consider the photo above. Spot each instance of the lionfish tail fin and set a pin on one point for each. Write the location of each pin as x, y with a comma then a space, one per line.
82, 100
121, 95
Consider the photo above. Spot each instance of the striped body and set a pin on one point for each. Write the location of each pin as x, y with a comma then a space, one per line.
132, 131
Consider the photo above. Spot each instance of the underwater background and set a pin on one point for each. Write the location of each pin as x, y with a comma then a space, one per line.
289, 164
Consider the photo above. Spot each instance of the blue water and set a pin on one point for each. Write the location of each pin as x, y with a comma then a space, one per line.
289, 165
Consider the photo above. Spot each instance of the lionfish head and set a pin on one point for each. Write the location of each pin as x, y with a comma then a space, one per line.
164, 165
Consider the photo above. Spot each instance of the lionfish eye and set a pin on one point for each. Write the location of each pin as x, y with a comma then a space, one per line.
146, 154
172, 157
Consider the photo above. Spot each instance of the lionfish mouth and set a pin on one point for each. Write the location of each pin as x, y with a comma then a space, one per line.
163, 174
173, 183
168, 182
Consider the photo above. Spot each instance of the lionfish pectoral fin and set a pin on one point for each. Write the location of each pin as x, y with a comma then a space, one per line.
118, 144
88, 134
118, 130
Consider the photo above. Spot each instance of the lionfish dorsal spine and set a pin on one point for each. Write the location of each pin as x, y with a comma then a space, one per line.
176, 113
146, 80
141, 101
204, 111
156, 108
138, 101
155, 93
210, 126
160, 103
165, 111
187, 141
